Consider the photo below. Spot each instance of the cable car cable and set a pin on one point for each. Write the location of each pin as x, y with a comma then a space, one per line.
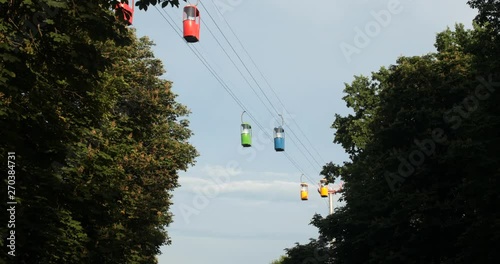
224, 85
298, 139
246, 80
234, 64
244, 65
267, 82
205, 63
221, 81
237, 55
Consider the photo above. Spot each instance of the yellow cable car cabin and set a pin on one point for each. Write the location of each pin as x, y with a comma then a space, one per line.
323, 188
304, 194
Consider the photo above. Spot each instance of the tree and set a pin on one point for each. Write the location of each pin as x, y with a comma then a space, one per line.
421, 181
313, 252
126, 167
488, 35
144, 4
405, 195
279, 261
96, 133
49, 78
489, 12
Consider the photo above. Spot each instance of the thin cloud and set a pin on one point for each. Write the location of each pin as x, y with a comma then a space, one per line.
196, 184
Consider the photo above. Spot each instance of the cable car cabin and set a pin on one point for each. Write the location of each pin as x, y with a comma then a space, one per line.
303, 191
323, 188
246, 135
123, 9
323, 191
191, 23
279, 139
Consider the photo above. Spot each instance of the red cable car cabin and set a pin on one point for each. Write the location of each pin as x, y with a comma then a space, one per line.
126, 10
191, 21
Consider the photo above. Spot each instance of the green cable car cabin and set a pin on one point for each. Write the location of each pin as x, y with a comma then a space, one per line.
246, 133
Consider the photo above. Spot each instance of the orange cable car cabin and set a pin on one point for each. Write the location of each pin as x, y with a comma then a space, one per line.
125, 10
191, 23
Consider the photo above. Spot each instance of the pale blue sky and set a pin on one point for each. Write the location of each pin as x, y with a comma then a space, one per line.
243, 205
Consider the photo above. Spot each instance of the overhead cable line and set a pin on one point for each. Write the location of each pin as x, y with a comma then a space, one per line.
252, 76
241, 73
224, 85
267, 82
257, 83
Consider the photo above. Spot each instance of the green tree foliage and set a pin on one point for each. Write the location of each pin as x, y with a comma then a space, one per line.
98, 135
313, 252
279, 261
133, 158
49, 90
489, 12
143, 4
422, 183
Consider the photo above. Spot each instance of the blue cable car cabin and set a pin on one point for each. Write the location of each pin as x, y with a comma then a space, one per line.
279, 139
